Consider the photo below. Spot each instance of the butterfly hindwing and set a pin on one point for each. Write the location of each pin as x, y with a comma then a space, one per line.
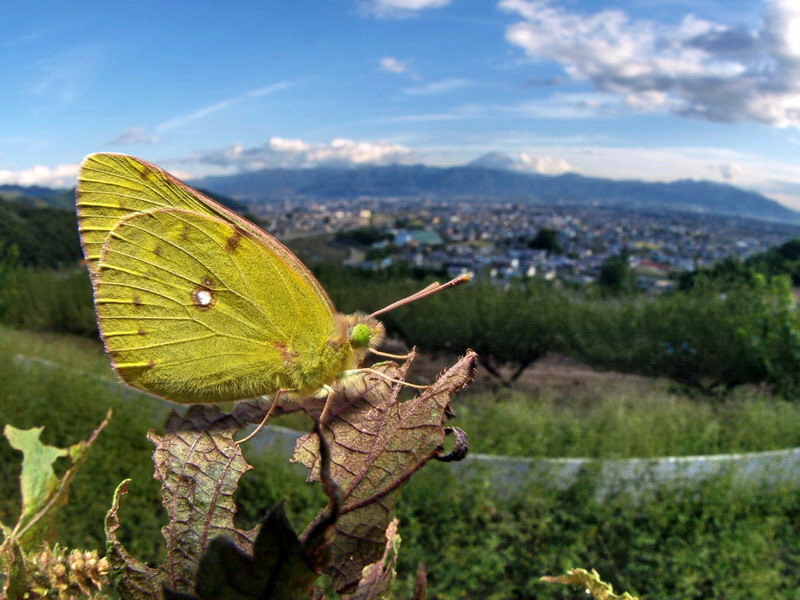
194, 308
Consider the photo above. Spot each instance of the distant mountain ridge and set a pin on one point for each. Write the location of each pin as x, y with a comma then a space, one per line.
38, 196
477, 182
494, 177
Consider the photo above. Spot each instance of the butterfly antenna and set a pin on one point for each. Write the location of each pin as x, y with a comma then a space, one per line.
425, 292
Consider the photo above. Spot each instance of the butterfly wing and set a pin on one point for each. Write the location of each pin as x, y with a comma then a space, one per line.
193, 308
112, 187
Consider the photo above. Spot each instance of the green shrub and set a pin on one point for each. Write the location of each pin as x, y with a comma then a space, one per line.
44, 300
709, 540
704, 338
706, 541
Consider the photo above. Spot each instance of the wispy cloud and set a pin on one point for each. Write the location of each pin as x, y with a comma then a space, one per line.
218, 106
566, 106
438, 87
695, 68
142, 135
398, 9
62, 76
27, 38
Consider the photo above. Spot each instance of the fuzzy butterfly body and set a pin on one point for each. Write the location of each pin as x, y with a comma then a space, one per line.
195, 303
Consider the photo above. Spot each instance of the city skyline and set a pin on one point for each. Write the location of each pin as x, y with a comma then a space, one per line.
654, 90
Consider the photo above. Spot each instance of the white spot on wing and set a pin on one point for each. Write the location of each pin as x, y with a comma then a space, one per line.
204, 297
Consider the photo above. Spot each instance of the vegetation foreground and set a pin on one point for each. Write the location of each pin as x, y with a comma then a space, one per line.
712, 540
710, 369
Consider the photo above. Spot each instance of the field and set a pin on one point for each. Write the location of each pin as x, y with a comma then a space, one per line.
712, 541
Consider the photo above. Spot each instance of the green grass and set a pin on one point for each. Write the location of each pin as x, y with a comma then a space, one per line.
69, 405
614, 425
74, 353
608, 418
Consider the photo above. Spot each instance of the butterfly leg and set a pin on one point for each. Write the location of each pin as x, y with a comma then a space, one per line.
393, 380
266, 418
323, 417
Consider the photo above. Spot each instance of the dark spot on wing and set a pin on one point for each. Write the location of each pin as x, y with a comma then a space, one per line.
137, 301
151, 364
141, 331
157, 250
233, 241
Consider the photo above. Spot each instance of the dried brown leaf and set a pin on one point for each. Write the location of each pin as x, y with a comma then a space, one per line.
199, 466
280, 567
377, 443
377, 577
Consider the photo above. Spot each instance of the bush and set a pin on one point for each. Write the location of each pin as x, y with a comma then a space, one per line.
709, 540
704, 338
45, 300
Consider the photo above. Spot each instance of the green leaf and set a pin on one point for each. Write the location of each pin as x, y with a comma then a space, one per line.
38, 480
43, 493
377, 443
591, 582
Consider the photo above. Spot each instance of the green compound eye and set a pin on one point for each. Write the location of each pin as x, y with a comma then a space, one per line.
360, 335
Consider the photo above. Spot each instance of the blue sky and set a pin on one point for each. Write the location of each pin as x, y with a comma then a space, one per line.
651, 89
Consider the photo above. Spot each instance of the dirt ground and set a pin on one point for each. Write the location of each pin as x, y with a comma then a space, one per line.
554, 375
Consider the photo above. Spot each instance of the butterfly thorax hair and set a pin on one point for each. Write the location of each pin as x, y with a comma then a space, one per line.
360, 332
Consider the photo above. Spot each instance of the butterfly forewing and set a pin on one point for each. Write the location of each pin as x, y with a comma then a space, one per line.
112, 187
194, 308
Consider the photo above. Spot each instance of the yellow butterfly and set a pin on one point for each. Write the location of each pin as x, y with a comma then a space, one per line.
196, 304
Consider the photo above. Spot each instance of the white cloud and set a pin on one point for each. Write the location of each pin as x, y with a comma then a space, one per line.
57, 177
544, 165
399, 9
134, 135
438, 87
393, 65
696, 68
523, 162
291, 153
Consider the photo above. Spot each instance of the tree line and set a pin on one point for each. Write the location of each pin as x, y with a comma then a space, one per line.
731, 324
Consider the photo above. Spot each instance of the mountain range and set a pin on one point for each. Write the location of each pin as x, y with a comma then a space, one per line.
492, 177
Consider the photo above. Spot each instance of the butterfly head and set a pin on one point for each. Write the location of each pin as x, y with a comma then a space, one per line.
361, 333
